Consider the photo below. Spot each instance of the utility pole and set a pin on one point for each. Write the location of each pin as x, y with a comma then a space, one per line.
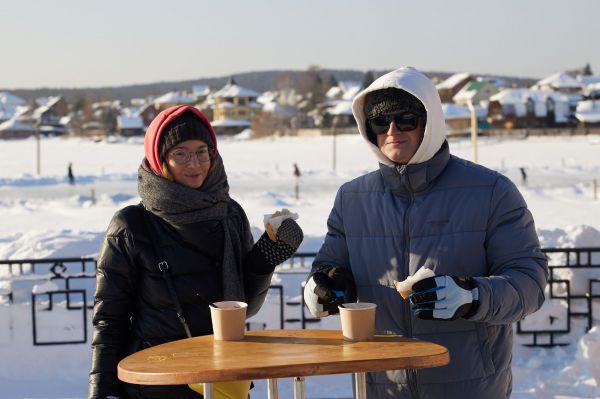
38, 149
335, 119
473, 131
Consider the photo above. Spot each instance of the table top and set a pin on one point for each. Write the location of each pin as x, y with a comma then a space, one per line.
275, 354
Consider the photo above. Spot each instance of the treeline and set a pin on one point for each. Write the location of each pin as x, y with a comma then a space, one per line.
260, 81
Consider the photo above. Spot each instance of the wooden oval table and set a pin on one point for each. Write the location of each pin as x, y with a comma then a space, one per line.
272, 354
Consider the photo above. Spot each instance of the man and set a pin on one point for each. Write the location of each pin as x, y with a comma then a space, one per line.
427, 208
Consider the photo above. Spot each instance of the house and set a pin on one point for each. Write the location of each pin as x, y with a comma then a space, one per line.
475, 92
522, 108
451, 86
235, 107
559, 82
11, 106
50, 110
458, 118
15, 128
200, 92
8, 100
340, 115
588, 113
130, 125
171, 99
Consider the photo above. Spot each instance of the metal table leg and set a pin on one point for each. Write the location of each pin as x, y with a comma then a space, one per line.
208, 391
272, 388
299, 391
360, 385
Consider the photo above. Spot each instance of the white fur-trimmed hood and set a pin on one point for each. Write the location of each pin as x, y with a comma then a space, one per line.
417, 84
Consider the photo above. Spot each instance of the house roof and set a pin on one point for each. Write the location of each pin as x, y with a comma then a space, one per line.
277, 109
588, 111
452, 81
130, 122
343, 107
7, 99
173, 97
201, 90
233, 90
455, 111
559, 80
16, 125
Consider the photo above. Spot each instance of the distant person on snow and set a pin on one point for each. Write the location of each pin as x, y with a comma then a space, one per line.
425, 208
188, 219
70, 175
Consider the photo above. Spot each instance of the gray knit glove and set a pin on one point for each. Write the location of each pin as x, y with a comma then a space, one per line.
289, 238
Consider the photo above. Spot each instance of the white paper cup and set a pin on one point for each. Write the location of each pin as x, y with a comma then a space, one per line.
228, 320
358, 320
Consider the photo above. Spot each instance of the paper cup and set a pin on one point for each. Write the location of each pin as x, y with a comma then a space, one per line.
228, 320
358, 320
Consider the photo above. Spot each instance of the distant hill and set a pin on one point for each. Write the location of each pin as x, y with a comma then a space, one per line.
259, 81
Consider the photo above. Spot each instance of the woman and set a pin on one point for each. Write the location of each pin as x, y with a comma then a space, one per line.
187, 219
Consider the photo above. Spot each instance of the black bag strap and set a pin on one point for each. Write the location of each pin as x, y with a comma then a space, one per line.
163, 266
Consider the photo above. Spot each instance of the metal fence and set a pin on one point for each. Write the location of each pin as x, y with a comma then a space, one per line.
574, 290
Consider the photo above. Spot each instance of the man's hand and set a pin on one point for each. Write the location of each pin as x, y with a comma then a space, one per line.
328, 288
444, 298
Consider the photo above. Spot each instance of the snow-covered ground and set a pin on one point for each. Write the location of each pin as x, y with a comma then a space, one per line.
43, 216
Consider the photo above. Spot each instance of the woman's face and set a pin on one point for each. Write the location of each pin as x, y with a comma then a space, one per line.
189, 163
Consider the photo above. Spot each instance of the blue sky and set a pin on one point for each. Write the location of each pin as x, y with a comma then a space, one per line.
74, 43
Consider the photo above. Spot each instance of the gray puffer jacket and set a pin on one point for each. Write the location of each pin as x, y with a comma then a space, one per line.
456, 218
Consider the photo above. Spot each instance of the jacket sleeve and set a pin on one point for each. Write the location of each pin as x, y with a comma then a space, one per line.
113, 308
257, 270
334, 251
518, 270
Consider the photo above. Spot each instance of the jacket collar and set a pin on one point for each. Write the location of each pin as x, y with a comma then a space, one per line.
405, 180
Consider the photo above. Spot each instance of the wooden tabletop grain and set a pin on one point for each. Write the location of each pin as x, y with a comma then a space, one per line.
275, 354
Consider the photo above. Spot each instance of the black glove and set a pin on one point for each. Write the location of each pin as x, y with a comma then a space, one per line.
444, 298
289, 237
328, 288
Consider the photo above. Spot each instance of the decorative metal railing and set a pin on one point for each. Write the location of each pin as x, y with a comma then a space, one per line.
574, 294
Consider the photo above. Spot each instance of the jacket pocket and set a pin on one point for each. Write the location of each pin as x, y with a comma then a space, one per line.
470, 356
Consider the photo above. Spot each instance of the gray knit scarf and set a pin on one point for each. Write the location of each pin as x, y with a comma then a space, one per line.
180, 205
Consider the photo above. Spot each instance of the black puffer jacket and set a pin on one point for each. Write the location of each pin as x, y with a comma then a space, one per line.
133, 308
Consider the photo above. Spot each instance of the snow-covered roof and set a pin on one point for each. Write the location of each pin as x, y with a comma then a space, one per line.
455, 111
588, 111
559, 80
254, 104
16, 125
47, 101
343, 107
10, 100
587, 80
351, 93
230, 122
173, 97
234, 90
334, 92
277, 109
452, 81
200, 90
130, 122
521, 95
267, 97
225, 104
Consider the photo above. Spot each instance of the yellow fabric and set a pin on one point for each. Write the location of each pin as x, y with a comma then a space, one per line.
226, 390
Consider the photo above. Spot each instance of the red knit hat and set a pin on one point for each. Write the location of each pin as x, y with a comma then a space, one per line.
152, 141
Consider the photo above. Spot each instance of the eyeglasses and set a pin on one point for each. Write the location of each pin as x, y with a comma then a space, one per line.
404, 122
182, 157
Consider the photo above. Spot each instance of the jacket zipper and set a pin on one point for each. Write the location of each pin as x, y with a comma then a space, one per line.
411, 374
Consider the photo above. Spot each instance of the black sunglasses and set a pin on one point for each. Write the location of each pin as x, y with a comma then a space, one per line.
404, 122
